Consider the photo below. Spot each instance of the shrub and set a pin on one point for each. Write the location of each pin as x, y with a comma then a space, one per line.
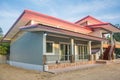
3, 50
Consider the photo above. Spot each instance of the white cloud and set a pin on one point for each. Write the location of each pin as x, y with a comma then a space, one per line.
8, 16
111, 16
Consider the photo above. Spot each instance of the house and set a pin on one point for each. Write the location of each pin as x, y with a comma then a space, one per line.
42, 42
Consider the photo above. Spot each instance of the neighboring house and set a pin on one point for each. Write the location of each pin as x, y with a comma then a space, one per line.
42, 42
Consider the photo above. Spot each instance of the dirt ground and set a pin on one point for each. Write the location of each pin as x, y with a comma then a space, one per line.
104, 72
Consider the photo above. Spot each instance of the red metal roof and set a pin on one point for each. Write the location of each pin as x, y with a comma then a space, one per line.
58, 22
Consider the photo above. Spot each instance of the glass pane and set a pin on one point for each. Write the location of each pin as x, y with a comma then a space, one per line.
49, 47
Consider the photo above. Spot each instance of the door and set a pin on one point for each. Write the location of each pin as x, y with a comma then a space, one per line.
64, 52
82, 52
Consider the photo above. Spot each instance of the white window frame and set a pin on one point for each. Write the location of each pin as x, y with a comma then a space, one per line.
47, 53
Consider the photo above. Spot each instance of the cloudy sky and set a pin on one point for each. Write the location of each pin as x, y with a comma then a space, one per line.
70, 10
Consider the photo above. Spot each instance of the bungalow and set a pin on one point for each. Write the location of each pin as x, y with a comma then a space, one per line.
42, 42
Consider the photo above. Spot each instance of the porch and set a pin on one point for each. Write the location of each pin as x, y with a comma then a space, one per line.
64, 52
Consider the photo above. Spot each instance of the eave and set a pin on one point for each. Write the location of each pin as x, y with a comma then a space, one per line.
41, 27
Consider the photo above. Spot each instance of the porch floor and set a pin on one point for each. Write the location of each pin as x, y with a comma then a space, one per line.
55, 71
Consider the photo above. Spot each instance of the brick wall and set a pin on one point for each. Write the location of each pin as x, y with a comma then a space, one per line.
65, 65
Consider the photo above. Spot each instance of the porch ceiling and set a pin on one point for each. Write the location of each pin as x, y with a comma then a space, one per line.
41, 27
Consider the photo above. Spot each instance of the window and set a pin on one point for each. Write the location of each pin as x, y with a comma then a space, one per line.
49, 47
83, 52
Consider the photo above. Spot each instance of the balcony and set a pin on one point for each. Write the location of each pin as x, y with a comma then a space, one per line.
117, 44
106, 44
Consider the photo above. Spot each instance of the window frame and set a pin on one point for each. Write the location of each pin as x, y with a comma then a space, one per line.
50, 53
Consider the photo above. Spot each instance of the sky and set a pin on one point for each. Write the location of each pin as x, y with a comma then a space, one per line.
70, 10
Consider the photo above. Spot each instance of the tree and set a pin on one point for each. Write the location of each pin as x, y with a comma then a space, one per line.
3, 50
1, 32
4, 46
117, 38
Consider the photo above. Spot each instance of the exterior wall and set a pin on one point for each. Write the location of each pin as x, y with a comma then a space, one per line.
28, 48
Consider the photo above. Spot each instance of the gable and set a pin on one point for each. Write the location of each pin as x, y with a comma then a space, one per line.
88, 20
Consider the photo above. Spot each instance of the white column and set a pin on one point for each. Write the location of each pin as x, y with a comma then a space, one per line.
44, 43
101, 50
44, 50
101, 47
89, 47
72, 50
72, 47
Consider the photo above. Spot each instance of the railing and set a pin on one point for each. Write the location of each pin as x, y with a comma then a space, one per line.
106, 44
63, 58
84, 57
117, 42
56, 58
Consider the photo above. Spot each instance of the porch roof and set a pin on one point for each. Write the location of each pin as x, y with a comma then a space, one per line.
106, 26
46, 28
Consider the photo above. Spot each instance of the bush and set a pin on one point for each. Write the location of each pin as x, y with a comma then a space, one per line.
3, 50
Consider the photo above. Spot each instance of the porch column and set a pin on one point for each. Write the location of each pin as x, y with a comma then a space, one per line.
44, 48
101, 50
111, 38
112, 47
89, 49
89, 46
72, 59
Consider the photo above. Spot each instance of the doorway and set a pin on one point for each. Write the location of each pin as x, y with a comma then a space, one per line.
64, 52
